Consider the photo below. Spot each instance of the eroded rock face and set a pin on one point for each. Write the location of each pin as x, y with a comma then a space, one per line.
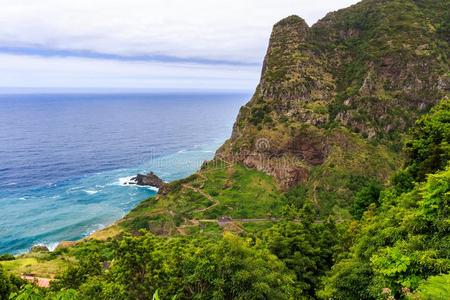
292, 71
311, 149
287, 169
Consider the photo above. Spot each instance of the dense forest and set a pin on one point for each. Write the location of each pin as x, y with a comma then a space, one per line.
335, 183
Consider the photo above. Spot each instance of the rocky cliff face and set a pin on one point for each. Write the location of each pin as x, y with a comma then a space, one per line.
335, 99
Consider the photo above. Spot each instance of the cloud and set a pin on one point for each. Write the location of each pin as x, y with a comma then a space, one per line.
234, 30
73, 72
171, 31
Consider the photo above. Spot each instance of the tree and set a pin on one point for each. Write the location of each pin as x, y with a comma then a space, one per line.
429, 148
305, 248
434, 288
89, 265
5, 285
405, 240
364, 197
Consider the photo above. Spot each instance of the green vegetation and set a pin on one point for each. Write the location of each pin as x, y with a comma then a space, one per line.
434, 288
30, 292
8, 284
305, 248
405, 240
308, 199
430, 148
6, 256
195, 203
280, 262
37, 265
228, 267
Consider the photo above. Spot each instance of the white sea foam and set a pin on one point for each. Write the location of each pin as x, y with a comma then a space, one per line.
152, 188
97, 227
75, 188
50, 246
125, 181
90, 192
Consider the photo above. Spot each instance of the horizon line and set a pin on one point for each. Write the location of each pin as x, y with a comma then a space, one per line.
115, 90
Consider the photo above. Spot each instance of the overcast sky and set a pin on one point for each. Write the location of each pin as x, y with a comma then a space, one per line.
200, 44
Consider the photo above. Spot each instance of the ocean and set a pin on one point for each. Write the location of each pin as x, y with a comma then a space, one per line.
64, 158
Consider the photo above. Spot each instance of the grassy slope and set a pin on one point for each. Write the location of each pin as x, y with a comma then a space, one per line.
194, 204
352, 160
37, 264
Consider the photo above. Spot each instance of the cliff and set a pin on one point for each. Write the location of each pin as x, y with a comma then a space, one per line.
336, 99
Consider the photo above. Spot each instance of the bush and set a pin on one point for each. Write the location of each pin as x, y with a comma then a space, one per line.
7, 256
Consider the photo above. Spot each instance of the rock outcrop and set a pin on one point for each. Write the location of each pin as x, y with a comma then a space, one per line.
39, 248
150, 179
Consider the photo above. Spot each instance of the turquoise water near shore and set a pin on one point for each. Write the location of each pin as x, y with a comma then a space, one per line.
64, 158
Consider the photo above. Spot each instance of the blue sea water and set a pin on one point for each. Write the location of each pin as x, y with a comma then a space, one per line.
64, 158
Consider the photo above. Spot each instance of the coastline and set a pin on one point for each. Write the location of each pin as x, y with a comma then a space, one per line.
77, 192
108, 231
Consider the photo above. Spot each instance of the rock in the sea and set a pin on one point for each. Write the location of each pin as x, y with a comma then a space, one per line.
40, 248
150, 180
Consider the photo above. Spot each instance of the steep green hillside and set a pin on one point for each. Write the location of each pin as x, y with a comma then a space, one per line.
194, 204
404, 241
335, 100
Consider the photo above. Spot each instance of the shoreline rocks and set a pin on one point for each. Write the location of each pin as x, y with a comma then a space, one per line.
150, 179
39, 248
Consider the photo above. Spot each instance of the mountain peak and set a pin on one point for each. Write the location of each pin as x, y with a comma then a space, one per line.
292, 20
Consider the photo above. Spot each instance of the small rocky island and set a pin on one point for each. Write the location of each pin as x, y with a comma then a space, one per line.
150, 179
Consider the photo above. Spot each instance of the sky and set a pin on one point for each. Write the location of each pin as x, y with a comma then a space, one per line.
142, 44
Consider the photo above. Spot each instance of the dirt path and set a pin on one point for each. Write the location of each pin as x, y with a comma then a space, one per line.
206, 195
39, 281
259, 220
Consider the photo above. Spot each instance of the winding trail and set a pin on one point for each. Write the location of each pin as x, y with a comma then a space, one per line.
196, 222
207, 196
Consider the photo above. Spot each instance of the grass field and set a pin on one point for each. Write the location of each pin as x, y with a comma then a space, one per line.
229, 190
30, 264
